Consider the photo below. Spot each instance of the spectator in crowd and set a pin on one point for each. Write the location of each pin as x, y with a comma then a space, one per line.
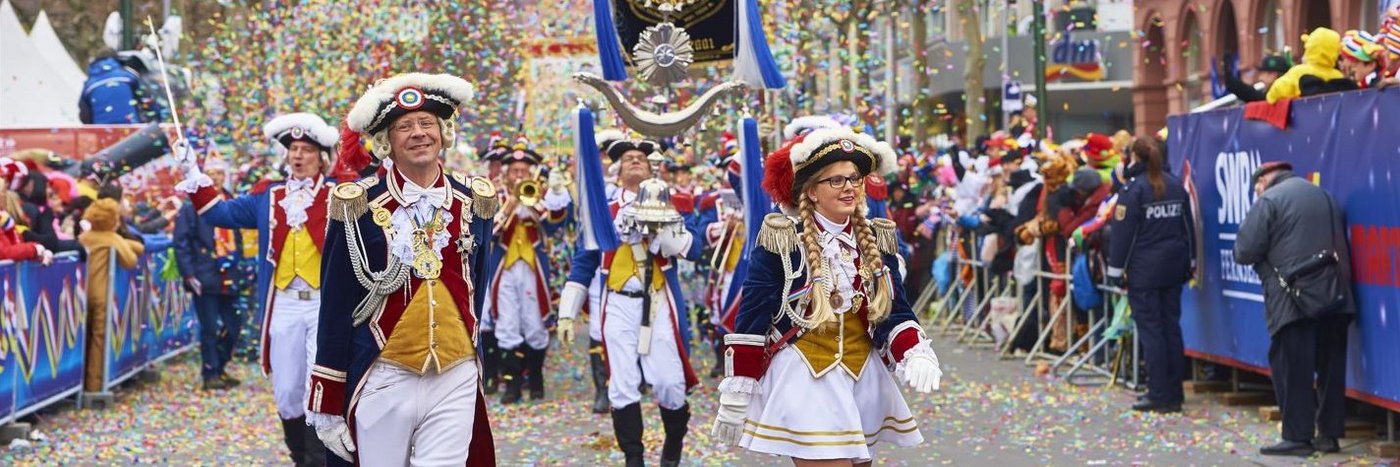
12, 245
1291, 224
208, 257
1270, 68
104, 246
1318, 72
1152, 240
112, 93
42, 216
1363, 59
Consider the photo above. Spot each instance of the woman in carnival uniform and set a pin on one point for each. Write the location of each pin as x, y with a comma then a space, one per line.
824, 326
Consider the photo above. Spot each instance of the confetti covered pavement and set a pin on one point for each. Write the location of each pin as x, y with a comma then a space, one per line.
990, 412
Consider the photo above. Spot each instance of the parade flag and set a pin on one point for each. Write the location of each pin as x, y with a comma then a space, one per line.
596, 230
753, 62
756, 201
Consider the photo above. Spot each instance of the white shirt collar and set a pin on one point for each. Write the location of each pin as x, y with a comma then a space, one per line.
832, 231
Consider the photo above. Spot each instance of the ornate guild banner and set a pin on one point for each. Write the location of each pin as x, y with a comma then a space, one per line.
710, 24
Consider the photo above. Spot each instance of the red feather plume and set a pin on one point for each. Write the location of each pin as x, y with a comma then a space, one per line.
352, 157
778, 177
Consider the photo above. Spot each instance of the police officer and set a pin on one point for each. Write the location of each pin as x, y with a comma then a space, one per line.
1152, 242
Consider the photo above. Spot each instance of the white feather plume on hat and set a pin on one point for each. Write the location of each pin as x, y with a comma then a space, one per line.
808, 123
370, 110
312, 127
885, 159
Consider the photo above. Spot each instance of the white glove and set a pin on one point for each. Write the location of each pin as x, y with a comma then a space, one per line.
673, 240
185, 155
571, 301
45, 255
734, 396
336, 437
557, 197
920, 368
566, 332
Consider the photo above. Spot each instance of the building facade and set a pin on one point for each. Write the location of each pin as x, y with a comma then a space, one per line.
1179, 39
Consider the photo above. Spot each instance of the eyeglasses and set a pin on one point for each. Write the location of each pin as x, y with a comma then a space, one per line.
839, 181
634, 158
426, 124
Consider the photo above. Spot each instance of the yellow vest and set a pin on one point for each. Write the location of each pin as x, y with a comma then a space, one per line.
846, 346
430, 334
299, 258
520, 248
624, 267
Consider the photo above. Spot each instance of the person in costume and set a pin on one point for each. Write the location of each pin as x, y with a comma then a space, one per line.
822, 313
395, 380
518, 298
640, 344
291, 220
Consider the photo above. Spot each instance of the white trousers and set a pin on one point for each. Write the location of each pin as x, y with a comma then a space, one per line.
292, 347
662, 367
595, 308
402, 418
518, 317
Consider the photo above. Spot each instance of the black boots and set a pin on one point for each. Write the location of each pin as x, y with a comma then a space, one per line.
718, 370
512, 362
675, 422
627, 426
306, 449
534, 370
490, 363
600, 376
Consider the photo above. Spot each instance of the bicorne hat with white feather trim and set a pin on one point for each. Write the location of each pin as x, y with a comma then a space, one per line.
802, 125
521, 151
786, 173
391, 98
286, 129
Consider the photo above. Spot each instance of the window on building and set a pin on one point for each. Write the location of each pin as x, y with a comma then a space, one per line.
1195, 64
1271, 27
1370, 16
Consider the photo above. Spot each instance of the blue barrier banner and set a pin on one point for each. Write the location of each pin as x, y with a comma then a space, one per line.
1346, 144
46, 330
9, 369
127, 345
171, 323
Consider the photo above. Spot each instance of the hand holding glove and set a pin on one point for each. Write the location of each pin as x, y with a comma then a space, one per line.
671, 241
336, 437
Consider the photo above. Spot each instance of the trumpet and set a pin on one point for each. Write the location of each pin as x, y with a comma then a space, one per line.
529, 192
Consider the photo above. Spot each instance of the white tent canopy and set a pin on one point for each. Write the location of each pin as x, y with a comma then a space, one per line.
46, 40
32, 93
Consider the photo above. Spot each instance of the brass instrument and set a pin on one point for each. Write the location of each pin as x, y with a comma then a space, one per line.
529, 192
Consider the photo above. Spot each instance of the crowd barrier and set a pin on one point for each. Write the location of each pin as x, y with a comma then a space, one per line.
1103, 351
1346, 144
43, 328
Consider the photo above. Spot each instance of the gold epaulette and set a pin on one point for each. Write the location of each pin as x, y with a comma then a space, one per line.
885, 235
484, 201
778, 234
349, 200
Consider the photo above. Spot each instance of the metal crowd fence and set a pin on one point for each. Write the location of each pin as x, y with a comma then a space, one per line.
1090, 357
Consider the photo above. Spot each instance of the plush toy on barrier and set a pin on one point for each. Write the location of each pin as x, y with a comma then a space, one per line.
102, 241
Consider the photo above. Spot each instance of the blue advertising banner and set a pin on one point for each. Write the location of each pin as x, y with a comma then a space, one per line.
127, 346
46, 331
9, 368
1345, 144
171, 323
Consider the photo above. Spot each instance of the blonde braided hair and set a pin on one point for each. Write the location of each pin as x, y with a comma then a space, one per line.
870, 259
822, 316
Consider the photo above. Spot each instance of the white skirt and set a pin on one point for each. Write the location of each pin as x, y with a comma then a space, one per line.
832, 417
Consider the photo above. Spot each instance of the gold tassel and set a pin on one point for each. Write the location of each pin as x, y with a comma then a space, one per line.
778, 234
885, 236
485, 204
881, 299
347, 203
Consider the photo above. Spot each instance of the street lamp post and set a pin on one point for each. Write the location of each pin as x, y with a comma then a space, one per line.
1038, 33
128, 34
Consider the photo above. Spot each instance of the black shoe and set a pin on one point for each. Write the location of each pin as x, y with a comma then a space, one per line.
1149, 406
627, 427
215, 384
1288, 448
511, 372
1142, 398
315, 454
229, 380
600, 377
1326, 444
676, 424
